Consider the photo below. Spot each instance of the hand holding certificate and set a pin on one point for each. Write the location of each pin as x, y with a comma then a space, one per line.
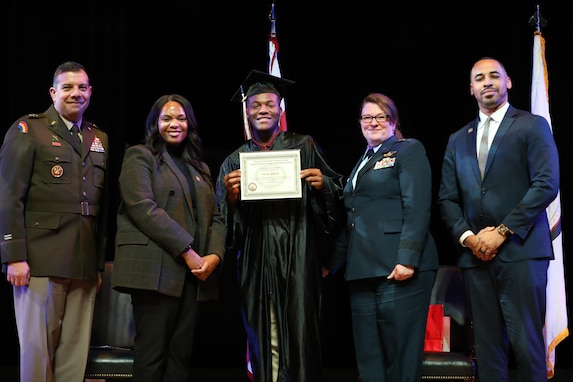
273, 174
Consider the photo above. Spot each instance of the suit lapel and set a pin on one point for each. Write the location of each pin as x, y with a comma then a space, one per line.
57, 125
59, 128
471, 144
353, 172
384, 149
88, 137
181, 177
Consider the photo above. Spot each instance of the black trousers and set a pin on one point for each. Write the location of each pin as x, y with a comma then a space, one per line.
165, 328
389, 324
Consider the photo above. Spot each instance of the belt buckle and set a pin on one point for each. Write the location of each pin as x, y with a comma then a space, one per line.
85, 208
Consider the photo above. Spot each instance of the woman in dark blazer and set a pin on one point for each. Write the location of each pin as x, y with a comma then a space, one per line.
391, 256
170, 239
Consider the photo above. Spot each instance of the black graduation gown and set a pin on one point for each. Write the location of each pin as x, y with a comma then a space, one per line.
280, 248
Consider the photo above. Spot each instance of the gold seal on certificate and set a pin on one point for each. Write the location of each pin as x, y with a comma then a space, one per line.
273, 174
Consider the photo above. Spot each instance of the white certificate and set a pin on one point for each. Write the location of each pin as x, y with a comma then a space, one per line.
272, 174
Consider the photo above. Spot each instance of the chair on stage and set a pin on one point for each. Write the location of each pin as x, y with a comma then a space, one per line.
111, 351
456, 362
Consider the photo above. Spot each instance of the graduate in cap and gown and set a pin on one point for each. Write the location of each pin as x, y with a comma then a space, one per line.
281, 243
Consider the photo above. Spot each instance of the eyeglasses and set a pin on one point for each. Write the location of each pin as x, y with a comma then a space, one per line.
379, 118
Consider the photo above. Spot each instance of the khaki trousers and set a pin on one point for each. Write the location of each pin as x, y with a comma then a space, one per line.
54, 321
274, 343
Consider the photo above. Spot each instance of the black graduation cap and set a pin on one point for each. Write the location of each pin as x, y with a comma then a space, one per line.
258, 82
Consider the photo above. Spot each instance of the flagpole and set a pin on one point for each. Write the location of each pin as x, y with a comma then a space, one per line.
273, 21
537, 20
246, 127
555, 329
274, 68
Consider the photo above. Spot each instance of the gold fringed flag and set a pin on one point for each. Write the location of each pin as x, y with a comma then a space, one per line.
555, 329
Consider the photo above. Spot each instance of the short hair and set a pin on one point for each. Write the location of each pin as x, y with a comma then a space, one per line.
68, 66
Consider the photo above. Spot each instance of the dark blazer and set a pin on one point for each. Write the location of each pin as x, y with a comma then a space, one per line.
155, 223
388, 214
53, 197
515, 191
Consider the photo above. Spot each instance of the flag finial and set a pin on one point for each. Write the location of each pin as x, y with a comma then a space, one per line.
537, 20
273, 20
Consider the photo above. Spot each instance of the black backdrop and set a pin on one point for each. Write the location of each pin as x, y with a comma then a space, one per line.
336, 51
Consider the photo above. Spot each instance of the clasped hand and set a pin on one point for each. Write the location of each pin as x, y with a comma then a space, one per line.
201, 267
486, 243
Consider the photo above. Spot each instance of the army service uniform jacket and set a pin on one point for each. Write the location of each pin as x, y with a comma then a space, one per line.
53, 197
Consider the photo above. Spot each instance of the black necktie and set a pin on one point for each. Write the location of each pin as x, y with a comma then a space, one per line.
76, 134
368, 154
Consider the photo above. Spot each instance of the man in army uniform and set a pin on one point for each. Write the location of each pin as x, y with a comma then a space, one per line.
53, 169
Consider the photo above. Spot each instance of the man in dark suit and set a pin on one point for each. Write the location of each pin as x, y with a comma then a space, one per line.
500, 223
53, 225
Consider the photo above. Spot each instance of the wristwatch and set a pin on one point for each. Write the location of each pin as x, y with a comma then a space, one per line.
503, 230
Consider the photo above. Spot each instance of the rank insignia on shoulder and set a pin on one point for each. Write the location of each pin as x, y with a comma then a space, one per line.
34, 115
23, 127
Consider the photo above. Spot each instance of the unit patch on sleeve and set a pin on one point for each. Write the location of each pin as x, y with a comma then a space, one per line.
23, 127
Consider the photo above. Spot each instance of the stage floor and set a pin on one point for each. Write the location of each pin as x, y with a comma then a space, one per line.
10, 374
